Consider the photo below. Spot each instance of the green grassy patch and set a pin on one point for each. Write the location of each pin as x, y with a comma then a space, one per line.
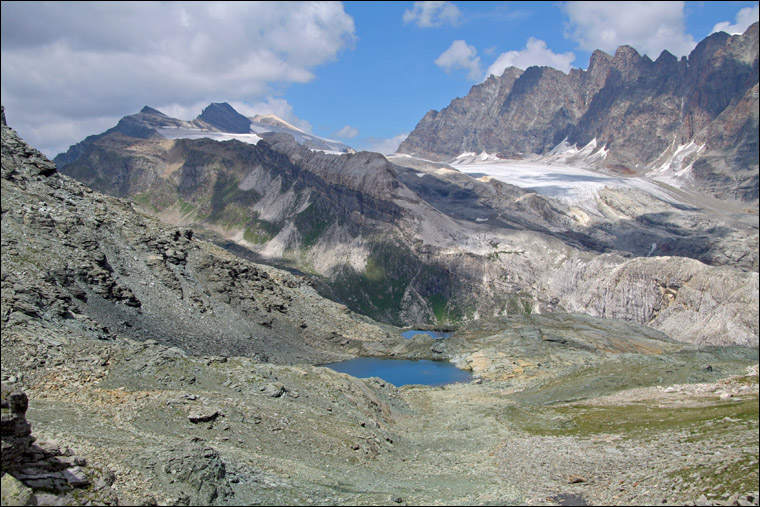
703, 424
519, 304
379, 289
256, 236
439, 303
619, 372
374, 271
739, 476
232, 217
312, 223
157, 198
642, 420
185, 208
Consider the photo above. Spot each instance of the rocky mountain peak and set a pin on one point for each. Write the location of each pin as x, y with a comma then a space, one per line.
510, 74
223, 117
629, 62
709, 45
19, 160
626, 53
150, 110
598, 58
666, 58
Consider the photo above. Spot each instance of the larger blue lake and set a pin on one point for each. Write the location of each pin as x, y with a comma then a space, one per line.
401, 372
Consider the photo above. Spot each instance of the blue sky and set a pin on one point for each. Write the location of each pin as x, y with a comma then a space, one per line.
361, 72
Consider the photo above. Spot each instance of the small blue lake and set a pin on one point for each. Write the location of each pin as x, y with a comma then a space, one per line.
433, 334
401, 372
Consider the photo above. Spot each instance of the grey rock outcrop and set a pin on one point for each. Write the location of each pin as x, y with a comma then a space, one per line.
43, 473
16, 431
680, 297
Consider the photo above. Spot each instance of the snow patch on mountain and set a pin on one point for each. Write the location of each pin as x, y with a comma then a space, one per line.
197, 133
570, 154
271, 123
574, 185
674, 165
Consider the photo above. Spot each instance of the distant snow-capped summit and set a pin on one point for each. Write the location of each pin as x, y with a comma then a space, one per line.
218, 121
276, 121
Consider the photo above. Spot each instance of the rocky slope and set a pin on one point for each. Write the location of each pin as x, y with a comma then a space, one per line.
694, 120
126, 336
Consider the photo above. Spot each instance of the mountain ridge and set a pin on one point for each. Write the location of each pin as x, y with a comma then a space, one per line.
412, 242
637, 109
217, 120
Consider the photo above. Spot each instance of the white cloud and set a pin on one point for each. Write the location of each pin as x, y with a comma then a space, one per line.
460, 55
429, 14
77, 63
385, 146
535, 53
650, 27
744, 18
347, 132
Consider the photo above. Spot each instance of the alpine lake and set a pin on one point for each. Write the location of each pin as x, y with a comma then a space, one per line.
401, 372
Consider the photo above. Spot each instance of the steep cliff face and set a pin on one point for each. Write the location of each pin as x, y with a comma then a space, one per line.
640, 111
466, 123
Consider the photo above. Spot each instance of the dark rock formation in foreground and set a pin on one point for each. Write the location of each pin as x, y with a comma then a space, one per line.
41, 473
638, 109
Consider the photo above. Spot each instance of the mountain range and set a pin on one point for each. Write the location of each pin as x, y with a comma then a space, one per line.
610, 320
410, 240
693, 121
143, 366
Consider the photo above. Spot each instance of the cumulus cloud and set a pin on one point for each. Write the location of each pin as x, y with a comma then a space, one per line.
460, 55
429, 14
650, 27
348, 132
89, 63
744, 18
535, 53
385, 146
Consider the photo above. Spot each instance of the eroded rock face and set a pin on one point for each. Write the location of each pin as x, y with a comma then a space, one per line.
636, 108
681, 297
